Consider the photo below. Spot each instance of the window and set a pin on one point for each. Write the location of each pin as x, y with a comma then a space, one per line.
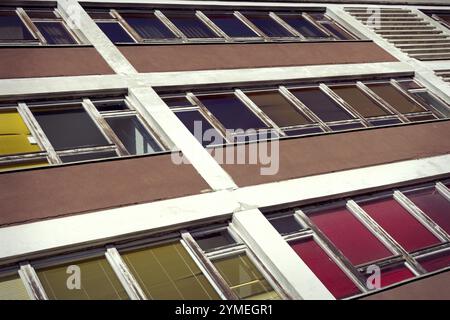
115, 32
231, 25
98, 281
394, 274
88, 156
337, 31
286, 224
190, 25
23, 164
196, 123
148, 26
435, 261
244, 278
325, 268
303, 26
214, 240
12, 288
54, 33
266, 24
12, 28
168, 272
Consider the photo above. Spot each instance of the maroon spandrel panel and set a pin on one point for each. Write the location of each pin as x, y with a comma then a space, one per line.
436, 262
394, 274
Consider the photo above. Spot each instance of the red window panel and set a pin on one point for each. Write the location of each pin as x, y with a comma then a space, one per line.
434, 205
394, 274
436, 262
325, 269
400, 224
350, 236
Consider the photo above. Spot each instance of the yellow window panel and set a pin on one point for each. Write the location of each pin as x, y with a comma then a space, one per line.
23, 165
12, 123
12, 144
12, 288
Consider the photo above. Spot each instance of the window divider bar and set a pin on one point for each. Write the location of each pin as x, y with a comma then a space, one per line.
30, 25
126, 278
443, 190
317, 24
251, 25
170, 25
215, 28
285, 25
31, 282
408, 96
136, 37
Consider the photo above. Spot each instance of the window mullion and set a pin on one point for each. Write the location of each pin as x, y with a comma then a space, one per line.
204, 18
285, 25
170, 25
29, 23
31, 281
251, 25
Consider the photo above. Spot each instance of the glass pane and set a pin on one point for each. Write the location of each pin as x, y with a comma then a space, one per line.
214, 240
278, 108
350, 236
286, 225
244, 278
231, 112
148, 26
12, 288
88, 156
434, 205
23, 165
338, 32
97, 281
400, 224
105, 106
14, 134
177, 102
41, 13
202, 130
12, 28
325, 269
421, 118
306, 28
359, 101
384, 122
55, 33
304, 131
394, 274
133, 135
267, 25
430, 100
168, 272
69, 127
115, 32
261, 135
348, 126
231, 25
435, 262
395, 98
322, 105
190, 25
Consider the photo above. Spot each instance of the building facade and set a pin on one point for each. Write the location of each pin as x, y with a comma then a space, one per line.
171, 149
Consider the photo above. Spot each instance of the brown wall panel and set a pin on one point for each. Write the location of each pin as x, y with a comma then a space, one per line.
431, 288
28, 62
334, 152
185, 57
51, 192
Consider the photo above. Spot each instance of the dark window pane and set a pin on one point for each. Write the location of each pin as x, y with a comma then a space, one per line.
177, 102
400, 224
105, 106
99, 14
55, 33
322, 105
41, 13
433, 204
267, 25
395, 98
214, 240
421, 118
359, 101
231, 25
115, 32
148, 26
384, 122
394, 274
133, 135
409, 84
325, 269
338, 32
435, 262
205, 133
12, 28
69, 127
349, 235
286, 225
303, 131
260, 135
233, 114
190, 25
278, 108
430, 100
349, 126
88, 156
306, 28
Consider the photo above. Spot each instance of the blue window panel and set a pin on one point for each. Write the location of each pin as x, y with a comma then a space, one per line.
190, 25
55, 33
148, 26
306, 28
115, 32
231, 25
200, 128
12, 28
267, 25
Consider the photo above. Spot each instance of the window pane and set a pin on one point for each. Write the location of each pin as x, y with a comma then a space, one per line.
231, 112
306, 28
337, 31
384, 122
168, 272
350, 236
267, 25
197, 125
177, 102
231, 25
435, 262
55, 33
88, 156
400, 224
304, 131
348, 126
105, 106
322, 105
115, 32
23, 165
434, 205
69, 127
394, 274
190, 25
286, 225
12, 28
133, 135
395, 98
14, 134
148, 26
429, 100
244, 278
325, 269
41, 13
278, 108
98, 281
359, 101
215, 240
12, 288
